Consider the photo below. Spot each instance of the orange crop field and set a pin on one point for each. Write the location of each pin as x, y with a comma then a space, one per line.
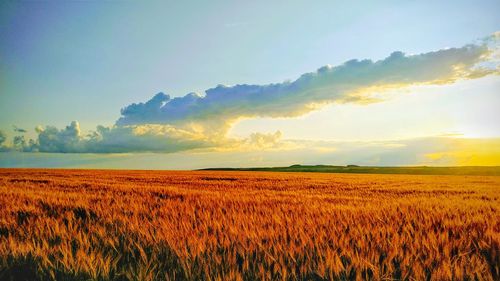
213, 225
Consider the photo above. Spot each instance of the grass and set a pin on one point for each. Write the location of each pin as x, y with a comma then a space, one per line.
355, 169
221, 225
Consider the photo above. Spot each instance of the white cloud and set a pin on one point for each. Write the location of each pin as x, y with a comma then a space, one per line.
351, 82
163, 124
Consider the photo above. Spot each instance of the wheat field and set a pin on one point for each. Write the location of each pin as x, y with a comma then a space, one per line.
213, 225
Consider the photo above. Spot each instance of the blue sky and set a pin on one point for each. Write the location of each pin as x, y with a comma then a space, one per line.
85, 60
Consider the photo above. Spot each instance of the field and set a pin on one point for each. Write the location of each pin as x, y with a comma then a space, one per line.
235, 225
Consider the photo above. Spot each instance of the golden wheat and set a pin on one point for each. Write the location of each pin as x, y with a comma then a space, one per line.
145, 225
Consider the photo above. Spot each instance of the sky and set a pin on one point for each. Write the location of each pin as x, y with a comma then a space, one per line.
195, 84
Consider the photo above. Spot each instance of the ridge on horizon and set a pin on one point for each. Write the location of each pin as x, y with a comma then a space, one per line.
351, 168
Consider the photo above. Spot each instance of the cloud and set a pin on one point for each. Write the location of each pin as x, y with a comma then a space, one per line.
148, 137
137, 138
19, 130
261, 140
436, 151
51, 139
165, 124
351, 82
119, 139
18, 143
432, 151
3, 137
